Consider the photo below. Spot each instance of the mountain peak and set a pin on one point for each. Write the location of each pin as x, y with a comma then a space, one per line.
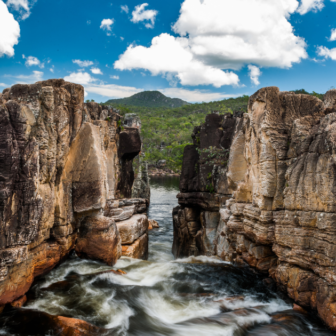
149, 99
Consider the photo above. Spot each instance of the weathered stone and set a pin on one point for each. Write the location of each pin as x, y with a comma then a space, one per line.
59, 166
99, 239
137, 250
132, 229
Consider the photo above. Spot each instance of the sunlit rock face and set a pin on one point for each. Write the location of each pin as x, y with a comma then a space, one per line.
60, 165
281, 175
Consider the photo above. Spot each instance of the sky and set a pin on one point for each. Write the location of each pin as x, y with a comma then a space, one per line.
196, 50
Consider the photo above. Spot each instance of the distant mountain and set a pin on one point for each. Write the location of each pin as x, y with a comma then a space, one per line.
149, 99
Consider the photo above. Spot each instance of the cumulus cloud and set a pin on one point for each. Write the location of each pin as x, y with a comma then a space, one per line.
310, 5
96, 71
82, 64
141, 14
169, 55
114, 77
217, 35
9, 31
80, 77
36, 76
333, 35
124, 9
327, 53
32, 61
21, 6
112, 91
106, 25
3, 84
254, 73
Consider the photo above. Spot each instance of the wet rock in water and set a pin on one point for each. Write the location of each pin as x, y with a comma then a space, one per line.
132, 229
18, 303
138, 249
152, 224
31, 322
99, 239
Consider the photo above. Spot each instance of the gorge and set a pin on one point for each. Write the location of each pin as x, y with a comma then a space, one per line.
254, 220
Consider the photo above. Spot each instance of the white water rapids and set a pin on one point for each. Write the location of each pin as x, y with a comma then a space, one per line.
195, 296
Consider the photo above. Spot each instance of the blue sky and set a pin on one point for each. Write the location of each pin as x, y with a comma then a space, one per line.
197, 50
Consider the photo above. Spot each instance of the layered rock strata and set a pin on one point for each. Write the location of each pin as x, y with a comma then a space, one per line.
62, 163
281, 217
203, 185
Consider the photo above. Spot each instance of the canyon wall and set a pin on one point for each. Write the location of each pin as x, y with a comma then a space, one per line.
65, 176
272, 203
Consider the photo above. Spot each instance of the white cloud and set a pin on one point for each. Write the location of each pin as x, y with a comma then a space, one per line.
36, 76
124, 9
88, 22
140, 14
3, 84
327, 53
254, 73
96, 71
112, 91
310, 5
85, 93
114, 77
216, 35
193, 96
22, 6
82, 64
333, 35
32, 61
9, 31
80, 77
169, 55
106, 25
52, 69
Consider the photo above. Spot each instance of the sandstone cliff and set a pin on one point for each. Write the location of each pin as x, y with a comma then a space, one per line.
279, 182
63, 164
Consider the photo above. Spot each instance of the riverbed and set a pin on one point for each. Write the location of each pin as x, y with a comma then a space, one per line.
197, 296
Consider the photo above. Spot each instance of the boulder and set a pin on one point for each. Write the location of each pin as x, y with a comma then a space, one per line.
132, 229
99, 239
137, 250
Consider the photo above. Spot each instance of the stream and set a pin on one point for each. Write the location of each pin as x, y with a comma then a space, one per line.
196, 296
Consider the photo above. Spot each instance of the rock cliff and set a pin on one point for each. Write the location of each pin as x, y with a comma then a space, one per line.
63, 166
272, 203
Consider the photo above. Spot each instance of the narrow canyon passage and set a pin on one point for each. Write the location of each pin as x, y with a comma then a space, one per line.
194, 296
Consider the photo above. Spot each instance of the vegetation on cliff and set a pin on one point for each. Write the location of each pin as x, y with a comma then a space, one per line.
165, 130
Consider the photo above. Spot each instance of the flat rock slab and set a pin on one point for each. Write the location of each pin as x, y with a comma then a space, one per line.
133, 228
137, 250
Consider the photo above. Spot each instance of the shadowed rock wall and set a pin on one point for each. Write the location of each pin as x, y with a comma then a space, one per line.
281, 218
59, 171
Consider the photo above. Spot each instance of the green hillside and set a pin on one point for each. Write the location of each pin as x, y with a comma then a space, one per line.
148, 99
174, 126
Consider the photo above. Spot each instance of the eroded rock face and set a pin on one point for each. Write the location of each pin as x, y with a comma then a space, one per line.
204, 186
281, 218
59, 170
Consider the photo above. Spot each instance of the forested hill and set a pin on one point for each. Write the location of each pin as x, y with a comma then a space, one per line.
149, 99
174, 126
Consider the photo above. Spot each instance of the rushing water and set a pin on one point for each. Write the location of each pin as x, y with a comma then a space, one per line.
162, 296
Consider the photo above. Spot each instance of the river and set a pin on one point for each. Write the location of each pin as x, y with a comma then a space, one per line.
196, 296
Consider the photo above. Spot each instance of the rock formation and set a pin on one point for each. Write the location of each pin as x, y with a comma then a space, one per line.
279, 185
60, 172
